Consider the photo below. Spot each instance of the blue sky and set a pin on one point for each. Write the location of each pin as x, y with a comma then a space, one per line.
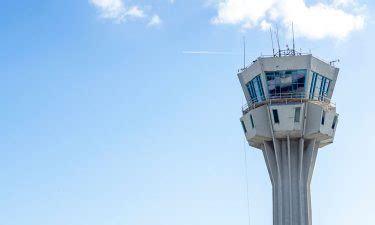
106, 121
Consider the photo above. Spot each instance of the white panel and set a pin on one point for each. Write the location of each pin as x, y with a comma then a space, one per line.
286, 63
261, 130
286, 113
314, 116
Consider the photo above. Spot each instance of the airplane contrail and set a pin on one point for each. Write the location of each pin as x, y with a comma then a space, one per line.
209, 53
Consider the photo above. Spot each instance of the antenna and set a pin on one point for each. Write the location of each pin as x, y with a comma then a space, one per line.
278, 40
294, 46
244, 52
273, 48
333, 62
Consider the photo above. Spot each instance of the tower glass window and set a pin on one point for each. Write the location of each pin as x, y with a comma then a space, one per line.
297, 114
286, 83
255, 89
252, 121
275, 116
243, 126
334, 122
319, 87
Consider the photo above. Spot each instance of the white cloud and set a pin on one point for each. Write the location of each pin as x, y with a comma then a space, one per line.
315, 21
116, 10
265, 25
344, 2
135, 11
155, 21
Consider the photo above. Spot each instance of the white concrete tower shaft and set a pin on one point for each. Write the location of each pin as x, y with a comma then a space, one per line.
290, 164
289, 116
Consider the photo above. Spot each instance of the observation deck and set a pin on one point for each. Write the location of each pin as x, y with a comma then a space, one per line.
323, 101
288, 96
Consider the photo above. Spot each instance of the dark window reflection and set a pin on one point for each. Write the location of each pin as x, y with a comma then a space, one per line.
289, 83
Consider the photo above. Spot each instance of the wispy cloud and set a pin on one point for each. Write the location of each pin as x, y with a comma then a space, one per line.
136, 12
155, 21
116, 10
316, 21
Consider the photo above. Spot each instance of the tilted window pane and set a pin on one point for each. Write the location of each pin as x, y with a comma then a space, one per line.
319, 87
255, 90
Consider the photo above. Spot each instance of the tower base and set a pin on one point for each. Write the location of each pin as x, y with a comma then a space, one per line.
290, 163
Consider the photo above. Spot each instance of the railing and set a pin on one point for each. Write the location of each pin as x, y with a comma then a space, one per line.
288, 98
280, 53
287, 52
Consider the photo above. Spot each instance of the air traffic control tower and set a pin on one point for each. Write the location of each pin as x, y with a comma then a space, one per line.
289, 116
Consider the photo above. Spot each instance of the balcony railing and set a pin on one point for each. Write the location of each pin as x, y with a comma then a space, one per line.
288, 98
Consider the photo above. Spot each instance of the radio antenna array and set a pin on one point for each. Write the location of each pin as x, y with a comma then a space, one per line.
283, 52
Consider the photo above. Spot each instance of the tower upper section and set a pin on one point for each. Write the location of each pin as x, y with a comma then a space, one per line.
288, 97
293, 77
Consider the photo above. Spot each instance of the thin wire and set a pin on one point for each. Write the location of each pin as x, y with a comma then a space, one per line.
244, 52
247, 182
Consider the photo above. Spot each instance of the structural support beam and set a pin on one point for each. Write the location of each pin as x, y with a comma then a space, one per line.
290, 163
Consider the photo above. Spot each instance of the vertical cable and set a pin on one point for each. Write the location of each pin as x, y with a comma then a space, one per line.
247, 181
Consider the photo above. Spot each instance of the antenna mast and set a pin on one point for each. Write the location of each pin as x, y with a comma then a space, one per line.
273, 48
278, 40
294, 46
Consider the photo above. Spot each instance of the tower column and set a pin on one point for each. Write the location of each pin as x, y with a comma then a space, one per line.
290, 163
289, 116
